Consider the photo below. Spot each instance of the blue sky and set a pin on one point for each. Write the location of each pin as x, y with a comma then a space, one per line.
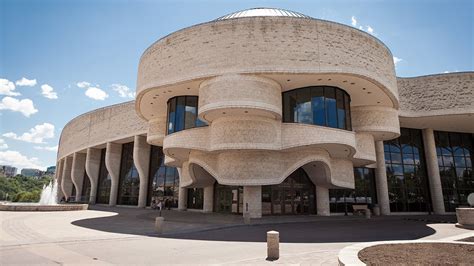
84, 54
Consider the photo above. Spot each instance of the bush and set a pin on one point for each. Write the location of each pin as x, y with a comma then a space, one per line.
22, 188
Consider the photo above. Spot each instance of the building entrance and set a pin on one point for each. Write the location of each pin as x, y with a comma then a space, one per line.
295, 195
228, 199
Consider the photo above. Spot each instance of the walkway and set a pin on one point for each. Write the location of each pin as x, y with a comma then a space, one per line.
125, 236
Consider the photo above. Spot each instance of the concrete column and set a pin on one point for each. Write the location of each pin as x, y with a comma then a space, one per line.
252, 202
59, 177
183, 199
141, 159
322, 201
92, 169
381, 179
113, 155
66, 182
77, 173
208, 201
434, 179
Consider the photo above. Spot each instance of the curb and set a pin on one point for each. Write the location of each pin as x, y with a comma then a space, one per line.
350, 255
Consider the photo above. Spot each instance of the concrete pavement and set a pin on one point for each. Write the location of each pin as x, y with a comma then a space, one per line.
78, 237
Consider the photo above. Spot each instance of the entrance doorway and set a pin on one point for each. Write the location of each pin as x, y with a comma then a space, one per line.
295, 195
195, 198
228, 199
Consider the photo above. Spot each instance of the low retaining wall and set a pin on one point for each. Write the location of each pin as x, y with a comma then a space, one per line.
44, 208
465, 218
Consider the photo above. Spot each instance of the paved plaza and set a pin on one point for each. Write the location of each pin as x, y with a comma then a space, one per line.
106, 235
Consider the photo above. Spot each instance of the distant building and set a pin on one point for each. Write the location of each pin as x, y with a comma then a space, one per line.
51, 170
7, 170
30, 172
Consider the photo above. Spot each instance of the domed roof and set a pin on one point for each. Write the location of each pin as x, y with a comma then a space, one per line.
263, 12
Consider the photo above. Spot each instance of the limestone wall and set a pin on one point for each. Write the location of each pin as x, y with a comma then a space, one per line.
266, 45
100, 126
440, 94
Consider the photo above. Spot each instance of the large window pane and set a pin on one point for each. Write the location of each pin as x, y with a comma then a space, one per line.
317, 101
303, 106
341, 113
454, 150
407, 180
171, 115
331, 109
324, 106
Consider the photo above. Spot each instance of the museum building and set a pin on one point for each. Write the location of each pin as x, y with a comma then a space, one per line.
271, 112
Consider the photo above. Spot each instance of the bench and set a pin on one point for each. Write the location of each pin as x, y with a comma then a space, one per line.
360, 209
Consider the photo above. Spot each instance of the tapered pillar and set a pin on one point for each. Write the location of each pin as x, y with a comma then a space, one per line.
183, 199
322, 201
252, 202
59, 177
66, 182
141, 159
113, 155
208, 201
77, 173
92, 170
434, 178
381, 179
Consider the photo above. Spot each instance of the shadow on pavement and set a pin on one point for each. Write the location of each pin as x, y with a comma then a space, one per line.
219, 227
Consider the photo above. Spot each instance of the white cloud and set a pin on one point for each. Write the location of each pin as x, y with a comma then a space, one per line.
96, 93
26, 82
123, 91
355, 24
92, 92
83, 84
7, 88
48, 92
3, 145
35, 135
354, 21
396, 60
19, 160
47, 148
370, 30
25, 106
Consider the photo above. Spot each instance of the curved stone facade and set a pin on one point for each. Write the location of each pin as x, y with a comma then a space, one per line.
239, 69
96, 128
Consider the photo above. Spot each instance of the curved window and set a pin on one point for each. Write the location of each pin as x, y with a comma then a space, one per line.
182, 114
129, 181
104, 183
163, 184
318, 105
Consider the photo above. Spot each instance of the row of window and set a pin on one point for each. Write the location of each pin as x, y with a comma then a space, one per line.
406, 174
317, 105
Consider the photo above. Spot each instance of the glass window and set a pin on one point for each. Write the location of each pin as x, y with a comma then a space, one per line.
129, 181
163, 184
341, 113
303, 106
182, 114
104, 183
454, 159
341, 200
171, 115
317, 102
407, 180
324, 106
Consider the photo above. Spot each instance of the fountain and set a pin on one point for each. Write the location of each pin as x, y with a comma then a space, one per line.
49, 195
47, 202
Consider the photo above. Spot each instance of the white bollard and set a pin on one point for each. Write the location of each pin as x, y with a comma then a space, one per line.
273, 245
159, 221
